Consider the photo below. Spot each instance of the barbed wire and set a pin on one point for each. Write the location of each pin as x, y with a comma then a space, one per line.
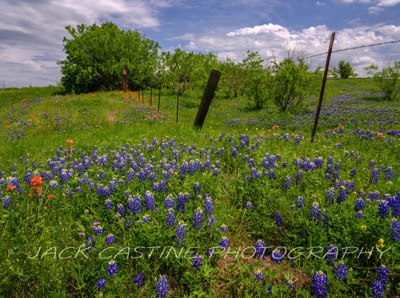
354, 48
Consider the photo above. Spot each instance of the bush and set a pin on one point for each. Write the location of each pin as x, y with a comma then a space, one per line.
387, 80
289, 83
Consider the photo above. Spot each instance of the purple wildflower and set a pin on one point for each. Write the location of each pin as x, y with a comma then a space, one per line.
319, 285
101, 284
162, 287
112, 268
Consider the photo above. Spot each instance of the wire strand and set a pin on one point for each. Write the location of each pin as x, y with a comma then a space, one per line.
354, 48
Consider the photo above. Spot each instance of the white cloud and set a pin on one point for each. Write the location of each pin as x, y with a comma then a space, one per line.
388, 3
31, 31
310, 41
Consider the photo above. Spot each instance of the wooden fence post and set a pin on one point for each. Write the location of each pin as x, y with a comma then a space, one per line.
207, 97
124, 80
321, 94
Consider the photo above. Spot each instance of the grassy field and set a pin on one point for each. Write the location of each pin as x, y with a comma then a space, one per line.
104, 195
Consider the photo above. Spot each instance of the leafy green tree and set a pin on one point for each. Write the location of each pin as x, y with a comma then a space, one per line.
387, 80
343, 71
233, 78
290, 82
256, 78
96, 56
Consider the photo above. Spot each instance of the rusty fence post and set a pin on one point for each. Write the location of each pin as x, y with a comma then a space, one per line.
207, 98
321, 94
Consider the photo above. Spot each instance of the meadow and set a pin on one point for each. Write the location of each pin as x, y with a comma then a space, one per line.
105, 196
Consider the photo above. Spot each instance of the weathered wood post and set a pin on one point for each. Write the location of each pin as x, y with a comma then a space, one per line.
207, 98
124, 80
159, 98
321, 95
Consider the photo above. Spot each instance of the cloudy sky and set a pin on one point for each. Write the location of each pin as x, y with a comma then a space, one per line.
31, 31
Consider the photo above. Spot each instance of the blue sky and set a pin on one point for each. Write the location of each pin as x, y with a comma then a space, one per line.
31, 31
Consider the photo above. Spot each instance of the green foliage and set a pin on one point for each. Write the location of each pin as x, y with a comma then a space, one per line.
387, 80
290, 83
233, 79
343, 71
96, 56
256, 79
241, 160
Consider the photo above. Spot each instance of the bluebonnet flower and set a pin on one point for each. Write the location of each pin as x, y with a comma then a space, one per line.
315, 212
101, 284
276, 256
211, 220
353, 172
325, 218
98, 230
258, 275
110, 238
374, 176
108, 204
377, 289
90, 243
180, 234
395, 230
327, 176
6, 202
395, 205
299, 202
299, 176
336, 175
182, 199
121, 209
170, 218
341, 271
330, 195
360, 205
196, 188
287, 182
169, 202
135, 204
224, 243
383, 209
278, 219
223, 228
138, 280
146, 218
197, 261
208, 205
359, 214
342, 195
371, 164
162, 287
374, 195
332, 253
383, 275
319, 285
198, 219
53, 184
249, 205
270, 288
389, 173
259, 249
149, 201
112, 268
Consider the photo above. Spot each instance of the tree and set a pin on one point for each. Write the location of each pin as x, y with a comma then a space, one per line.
256, 78
289, 83
96, 56
343, 71
387, 80
233, 78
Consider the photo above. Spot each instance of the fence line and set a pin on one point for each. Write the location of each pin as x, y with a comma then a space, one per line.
353, 48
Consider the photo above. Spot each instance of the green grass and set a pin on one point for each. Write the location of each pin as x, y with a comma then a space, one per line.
251, 153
